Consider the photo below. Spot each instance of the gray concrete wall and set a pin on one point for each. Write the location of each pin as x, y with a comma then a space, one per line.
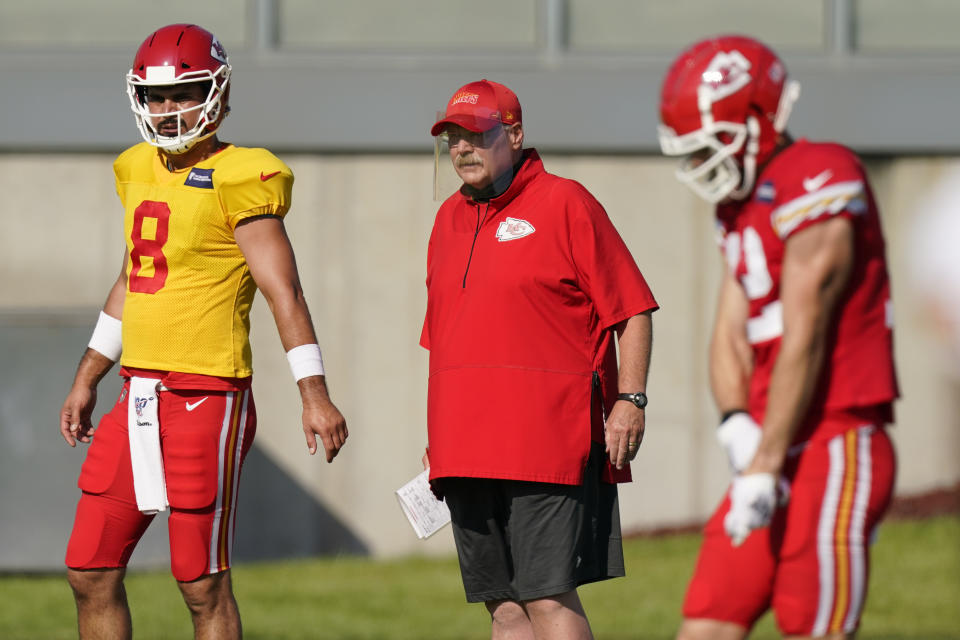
359, 226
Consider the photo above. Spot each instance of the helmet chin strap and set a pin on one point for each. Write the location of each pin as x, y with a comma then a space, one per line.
749, 160
211, 113
182, 147
179, 145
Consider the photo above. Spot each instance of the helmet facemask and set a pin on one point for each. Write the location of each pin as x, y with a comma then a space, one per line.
709, 165
213, 108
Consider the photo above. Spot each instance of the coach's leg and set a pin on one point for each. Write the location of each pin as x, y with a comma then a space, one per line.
508, 621
212, 606
559, 617
102, 610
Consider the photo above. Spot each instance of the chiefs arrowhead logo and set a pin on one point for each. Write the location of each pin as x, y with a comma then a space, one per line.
513, 228
727, 73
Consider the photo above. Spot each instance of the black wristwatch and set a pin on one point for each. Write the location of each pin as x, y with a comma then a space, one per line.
639, 399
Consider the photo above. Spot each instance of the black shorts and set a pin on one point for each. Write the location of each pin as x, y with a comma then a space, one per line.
521, 540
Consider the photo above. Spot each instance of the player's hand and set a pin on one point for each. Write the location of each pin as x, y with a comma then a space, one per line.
623, 433
426, 459
740, 436
322, 421
75, 415
753, 499
325, 424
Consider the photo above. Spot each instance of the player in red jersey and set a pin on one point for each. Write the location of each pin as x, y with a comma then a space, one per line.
801, 363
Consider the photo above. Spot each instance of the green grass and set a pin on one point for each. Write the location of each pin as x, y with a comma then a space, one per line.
915, 593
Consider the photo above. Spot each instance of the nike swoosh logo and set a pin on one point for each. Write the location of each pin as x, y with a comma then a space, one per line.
814, 183
266, 177
191, 407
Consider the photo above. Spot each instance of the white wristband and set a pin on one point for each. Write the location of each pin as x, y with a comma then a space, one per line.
107, 337
305, 360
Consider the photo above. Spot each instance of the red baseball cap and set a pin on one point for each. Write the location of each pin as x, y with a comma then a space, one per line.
480, 106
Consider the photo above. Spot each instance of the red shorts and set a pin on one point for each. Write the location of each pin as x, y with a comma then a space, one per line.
204, 437
811, 565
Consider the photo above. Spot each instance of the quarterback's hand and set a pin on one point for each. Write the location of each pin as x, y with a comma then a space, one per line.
753, 499
322, 421
324, 424
75, 415
740, 436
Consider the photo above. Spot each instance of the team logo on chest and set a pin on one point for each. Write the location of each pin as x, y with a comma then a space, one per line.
513, 229
200, 178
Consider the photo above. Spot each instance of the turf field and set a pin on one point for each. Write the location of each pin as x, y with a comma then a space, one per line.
915, 593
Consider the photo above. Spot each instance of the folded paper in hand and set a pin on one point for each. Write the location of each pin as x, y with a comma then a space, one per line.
426, 514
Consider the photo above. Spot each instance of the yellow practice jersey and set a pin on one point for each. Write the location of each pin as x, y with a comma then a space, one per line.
188, 286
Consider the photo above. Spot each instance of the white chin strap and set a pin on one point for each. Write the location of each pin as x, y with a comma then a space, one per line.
177, 145
182, 142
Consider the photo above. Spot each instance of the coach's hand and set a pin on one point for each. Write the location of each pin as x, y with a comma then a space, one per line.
623, 433
753, 499
322, 421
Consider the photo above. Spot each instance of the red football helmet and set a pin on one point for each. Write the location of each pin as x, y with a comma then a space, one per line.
722, 105
176, 54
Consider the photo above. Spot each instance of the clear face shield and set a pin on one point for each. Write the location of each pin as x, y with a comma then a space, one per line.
445, 178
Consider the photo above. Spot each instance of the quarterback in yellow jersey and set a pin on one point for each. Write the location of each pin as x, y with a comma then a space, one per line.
197, 276
204, 230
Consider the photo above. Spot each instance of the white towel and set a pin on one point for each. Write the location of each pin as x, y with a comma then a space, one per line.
143, 425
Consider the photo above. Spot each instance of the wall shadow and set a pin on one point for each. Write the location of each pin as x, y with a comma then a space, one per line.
277, 519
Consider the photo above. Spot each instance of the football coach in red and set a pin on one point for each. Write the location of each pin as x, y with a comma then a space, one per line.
531, 421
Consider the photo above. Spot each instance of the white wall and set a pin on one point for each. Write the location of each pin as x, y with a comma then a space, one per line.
360, 225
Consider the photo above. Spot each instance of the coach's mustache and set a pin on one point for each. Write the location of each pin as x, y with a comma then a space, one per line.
467, 160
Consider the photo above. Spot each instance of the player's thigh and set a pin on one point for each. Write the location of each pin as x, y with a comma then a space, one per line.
732, 584
841, 489
206, 436
107, 525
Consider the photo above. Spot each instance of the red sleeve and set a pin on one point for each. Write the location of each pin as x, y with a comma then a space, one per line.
607, 272
825, 181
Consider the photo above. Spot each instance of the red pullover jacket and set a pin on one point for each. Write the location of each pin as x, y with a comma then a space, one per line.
522, 292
